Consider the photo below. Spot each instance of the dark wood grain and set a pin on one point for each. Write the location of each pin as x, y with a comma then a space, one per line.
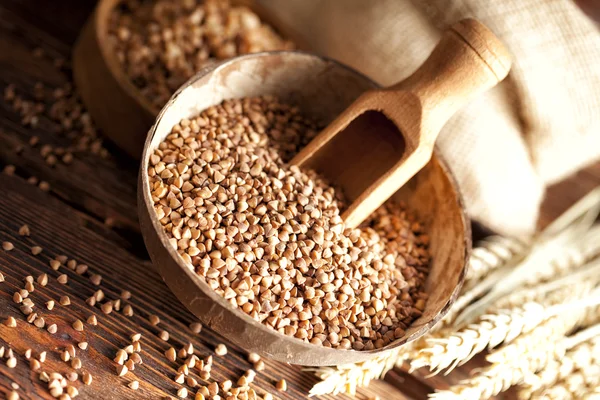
70, 219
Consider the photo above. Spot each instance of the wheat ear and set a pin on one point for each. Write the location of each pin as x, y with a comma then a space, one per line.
348, 377
490, 254
502, 326
554, 291
592, 394
577, 357
560, 238
576, 383
457, 348
511, 364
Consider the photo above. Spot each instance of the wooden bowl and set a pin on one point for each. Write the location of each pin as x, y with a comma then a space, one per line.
322, 88
114, 102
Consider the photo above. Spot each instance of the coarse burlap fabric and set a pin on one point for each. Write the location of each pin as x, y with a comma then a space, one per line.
539, 125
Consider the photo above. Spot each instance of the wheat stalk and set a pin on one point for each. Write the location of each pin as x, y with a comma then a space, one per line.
551, 331
592, 394
348, 377
537, 267
575, 384
578, 356
559, 239
514, 363
490, 254
555, 291
504, 325
492, 329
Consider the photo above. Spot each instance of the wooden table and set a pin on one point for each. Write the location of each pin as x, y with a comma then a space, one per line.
89, 214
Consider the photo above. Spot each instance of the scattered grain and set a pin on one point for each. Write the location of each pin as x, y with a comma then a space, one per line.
72, 391
259, 365
221, 349
72, 376
136, 358
65, 356
128, 311
78, 325
54, 264
107, 307
65, 300
34, 365
63, 279
121, 357
96, 279
39, 322
11, 362
81, 269
154, 320
76, 363
196, 327
134, 385
36, 250
281, 385
122, 370
164, 335
42, 279
191, 381
170, 354
29, 287
179, 378
24, 230
7, 246
87, 378
52, 328
26, 310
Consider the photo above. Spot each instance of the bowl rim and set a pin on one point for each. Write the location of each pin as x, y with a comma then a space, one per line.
144, 196
101, 21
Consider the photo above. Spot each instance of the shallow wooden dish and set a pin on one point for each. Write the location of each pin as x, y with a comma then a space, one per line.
113, 101
322, 88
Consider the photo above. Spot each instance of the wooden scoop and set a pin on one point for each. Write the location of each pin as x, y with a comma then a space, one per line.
387, 135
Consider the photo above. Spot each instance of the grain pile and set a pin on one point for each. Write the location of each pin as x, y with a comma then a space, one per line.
269, 238
162, 43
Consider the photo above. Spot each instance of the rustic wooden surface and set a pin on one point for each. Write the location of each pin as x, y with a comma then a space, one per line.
70, 219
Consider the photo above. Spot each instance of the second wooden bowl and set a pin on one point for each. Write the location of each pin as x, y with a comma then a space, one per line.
113, 101
322, 89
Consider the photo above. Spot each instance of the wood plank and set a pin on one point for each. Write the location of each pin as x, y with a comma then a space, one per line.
102, 188
59, 230
70, 219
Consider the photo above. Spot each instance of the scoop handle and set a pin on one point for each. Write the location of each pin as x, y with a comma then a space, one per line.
468, 60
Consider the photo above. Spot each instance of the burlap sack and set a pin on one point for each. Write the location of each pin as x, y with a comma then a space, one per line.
541, 124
